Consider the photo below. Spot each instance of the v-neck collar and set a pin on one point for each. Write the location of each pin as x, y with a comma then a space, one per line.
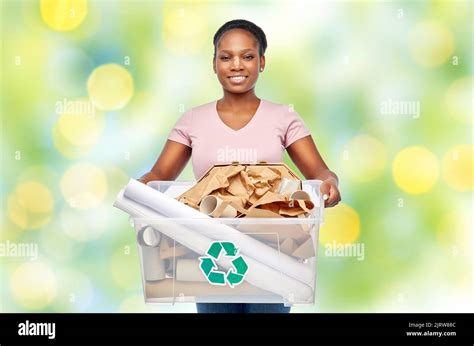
252, 120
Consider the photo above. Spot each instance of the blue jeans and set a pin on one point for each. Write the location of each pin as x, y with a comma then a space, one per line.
241, 308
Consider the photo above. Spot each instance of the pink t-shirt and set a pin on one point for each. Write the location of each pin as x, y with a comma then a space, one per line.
271, 130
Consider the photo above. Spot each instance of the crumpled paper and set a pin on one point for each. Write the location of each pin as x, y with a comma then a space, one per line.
250, 189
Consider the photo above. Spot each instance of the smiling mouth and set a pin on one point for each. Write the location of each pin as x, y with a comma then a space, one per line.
237, 78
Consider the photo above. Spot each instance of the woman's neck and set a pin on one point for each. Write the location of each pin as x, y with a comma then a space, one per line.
239, 101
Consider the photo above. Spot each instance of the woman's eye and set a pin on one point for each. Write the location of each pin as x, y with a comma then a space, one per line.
224, 58
248, 57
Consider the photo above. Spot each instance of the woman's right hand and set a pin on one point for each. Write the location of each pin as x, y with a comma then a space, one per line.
170, 163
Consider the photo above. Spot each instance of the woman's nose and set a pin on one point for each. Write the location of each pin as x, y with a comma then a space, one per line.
236, 64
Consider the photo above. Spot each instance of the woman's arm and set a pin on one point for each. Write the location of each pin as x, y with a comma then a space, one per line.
171, 162
306, 157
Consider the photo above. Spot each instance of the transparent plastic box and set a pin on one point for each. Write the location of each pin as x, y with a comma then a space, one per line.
229, 260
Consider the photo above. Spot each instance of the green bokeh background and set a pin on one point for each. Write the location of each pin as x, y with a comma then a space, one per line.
335, 62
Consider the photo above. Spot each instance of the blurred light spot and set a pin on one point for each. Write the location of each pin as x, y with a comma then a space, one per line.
56, 244
77, 132
40, 173
82, 225
364, 158
9, 230
84, 186
459, 99
184, 27
125, 269
33, 285
63, 15
341, 224
458, 166
75, 294
431, 43
110, 87
66, 148
30, 205
454, 233
415, 170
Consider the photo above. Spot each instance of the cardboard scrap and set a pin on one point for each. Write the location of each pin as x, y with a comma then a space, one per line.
167, 250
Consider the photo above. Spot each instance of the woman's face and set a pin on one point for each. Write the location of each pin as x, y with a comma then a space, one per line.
237, 62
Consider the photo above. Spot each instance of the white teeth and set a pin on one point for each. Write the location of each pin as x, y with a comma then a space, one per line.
238, 78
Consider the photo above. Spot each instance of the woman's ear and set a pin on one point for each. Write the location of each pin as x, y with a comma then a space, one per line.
214, 65
262, 63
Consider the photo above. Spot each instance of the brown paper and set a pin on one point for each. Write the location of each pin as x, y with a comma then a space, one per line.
167, 250
250, 187
208, 184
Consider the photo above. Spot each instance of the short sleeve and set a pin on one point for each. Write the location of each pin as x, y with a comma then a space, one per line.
295, 127
181, 130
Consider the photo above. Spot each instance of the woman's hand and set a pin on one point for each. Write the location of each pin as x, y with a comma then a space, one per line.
306, 157
331, 194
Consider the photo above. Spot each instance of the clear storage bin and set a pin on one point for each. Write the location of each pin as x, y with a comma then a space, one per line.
229, 260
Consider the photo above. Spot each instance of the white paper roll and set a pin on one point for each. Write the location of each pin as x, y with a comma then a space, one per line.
170, 207
147, 236
153, 265
210, 203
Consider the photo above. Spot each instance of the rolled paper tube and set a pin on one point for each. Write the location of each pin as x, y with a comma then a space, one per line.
210, 203
147, 236
300, 194
153, 265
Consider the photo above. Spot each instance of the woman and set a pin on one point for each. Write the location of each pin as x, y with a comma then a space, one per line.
239, 123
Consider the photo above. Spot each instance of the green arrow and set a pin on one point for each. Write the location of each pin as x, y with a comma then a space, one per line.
240, 265
216, 278
215, 249
230, 249
233, 279
207, 264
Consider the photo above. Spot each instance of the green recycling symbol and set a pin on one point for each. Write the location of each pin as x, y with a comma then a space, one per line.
209, 268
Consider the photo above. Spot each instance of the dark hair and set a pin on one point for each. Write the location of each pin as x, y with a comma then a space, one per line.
243, 24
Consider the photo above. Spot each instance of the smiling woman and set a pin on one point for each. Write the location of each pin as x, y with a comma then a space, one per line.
241, 120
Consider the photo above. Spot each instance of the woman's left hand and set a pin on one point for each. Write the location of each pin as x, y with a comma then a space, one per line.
329, 189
